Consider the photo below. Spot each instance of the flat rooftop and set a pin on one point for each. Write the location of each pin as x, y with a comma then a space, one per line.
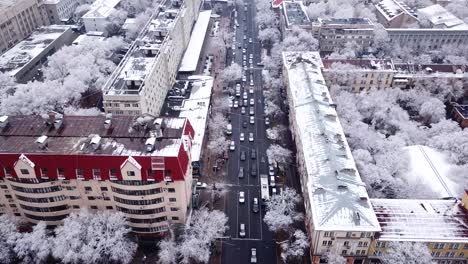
346, 21
337, 195
392, 8
127, 135
360, 64
441, 17
434, 70
191, 99
101, 8
421, 220
130, 75
14, 59
462, 109
295, 14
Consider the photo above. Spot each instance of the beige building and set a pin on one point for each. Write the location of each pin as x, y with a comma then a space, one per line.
395, 14
334, 34
18, 19
60, 11
408, 75
339, 216
141, 81
138, 166
359, 74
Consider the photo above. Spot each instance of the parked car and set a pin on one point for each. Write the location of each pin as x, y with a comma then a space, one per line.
271, 170
241, 197
252, 102
253, 154
253, 255
272, 181
241, 137
232, 146
252, 120
251, 111
201, 185
243, 110
251, 90
255, 206
251, 137
241, 172
267, 121
242, 156
236, 104
253, 170
242, 230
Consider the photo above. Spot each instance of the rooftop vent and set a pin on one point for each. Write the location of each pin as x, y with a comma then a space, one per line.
95, 141
108, 121
3, 121
42, 142
150, 144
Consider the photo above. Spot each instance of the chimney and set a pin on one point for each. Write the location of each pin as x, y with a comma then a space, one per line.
58, 120
108, 121
150, 144
42, 142
95, 141
3, 121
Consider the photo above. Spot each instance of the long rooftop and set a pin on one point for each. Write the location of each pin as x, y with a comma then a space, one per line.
441, 18
421, 220
295, 14
392, 8
361, 64
102, 8
336, 193
13, 60
129, 77
96, 135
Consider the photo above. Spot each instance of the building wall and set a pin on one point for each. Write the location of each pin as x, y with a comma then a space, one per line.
400, 21
97, 24
60, 10
333, 37
431, 38
18, 21
359, 79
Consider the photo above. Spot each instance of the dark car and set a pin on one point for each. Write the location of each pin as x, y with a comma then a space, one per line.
255, 206
253, 154
241, 172
242, 155
244, 124
253, 170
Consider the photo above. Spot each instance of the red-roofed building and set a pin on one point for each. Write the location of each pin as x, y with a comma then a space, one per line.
276, 3
54, 165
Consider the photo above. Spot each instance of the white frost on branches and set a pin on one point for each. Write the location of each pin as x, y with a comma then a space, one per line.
295, 247
34, 247
334, 257
407, 253
281, 210
8, 237
278, 154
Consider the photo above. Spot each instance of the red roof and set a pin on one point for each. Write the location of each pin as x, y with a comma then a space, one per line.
276, 3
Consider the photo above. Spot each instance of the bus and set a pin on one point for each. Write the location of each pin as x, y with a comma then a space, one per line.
264, 187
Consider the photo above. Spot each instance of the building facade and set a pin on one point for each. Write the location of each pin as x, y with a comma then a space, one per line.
334, 34
147, 72
395, 14
52, 166
410, 75
60, 11
18, 19
339, 216
97, 18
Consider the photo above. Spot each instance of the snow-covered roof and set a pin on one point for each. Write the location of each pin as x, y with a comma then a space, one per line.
421, 220
101, 8
392, 8
430, 169
336, 193
27, 50
86, 38
190, 59
441, 18
295, 13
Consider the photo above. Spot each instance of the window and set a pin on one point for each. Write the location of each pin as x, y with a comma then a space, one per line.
454, 246
104, 189
8, 196
76, 207
172, 199
348, 234
97, 173
79, 173
324, 243
346, 243
106, 198
441, 245
363, 234
43, 172
344, 252
171, 190
380, 244
175, 218
94, 207
61, 172
461, 254
452, 254
365, 244
3, 187
109, 207
465, 246
88, 188
24, 171
330, 243
7, 171
437, 254
359, 244
91, 198
174, 209
130, 173
113, 173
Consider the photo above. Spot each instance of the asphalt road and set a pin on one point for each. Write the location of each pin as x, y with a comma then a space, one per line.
237, 249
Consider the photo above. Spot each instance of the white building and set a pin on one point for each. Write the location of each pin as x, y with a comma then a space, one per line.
140, 83
96, 19
295, 15
439, 17
395, 14
339, 216
23, 60
60, 11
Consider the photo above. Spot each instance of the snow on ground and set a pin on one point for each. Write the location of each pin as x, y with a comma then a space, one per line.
430, 168
190, 60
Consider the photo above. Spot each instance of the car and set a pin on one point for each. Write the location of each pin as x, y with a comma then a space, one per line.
250, 61
260, 64
272, 181
230, 103
253, 154
252, 120
245, 9
245, 67
242, 156
251, 137
244, 63
244, 79
250, 56
241, 137
251, 111
252, 102
239, 45
236, 104
243, 110
255, 206
245, 95
251, 66
201, 185
267, 121
253, 255
244, 124
245, 37
251, 90
241, 197
244, 57
271, 170
253, 170
233, 46
242, 230
273, 191
251, 82
246, 102
244, 51
241, 172
250, 40
232, 146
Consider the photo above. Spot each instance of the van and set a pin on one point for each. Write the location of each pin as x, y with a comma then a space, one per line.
242, 230
229, 129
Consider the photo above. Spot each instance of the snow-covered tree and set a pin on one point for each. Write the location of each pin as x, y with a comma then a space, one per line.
278, 154
135, 7
7, 84
299, 39
407, 253
281, 210
275, 133
8, 237
334, 257
272, 109
135, 28
168, 251
34, 247
458, 8
102, 237
266, 19
232, 73
432, 110
269, 36
295, 247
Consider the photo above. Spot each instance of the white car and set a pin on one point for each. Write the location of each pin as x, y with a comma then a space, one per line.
244, 79
242, 197
241, 137
245, 102
272, 181
252, 120
245, 67
251, 111
252, 102
250, 40
251, 82
242, 230
232, 146
244, 51
271, 170
244, 95
251, 90
201, 185
245, 37
236, 104
243, 110
244, 57
267, 121
244, 63
250, 61
251, 137
253, 255
230, 103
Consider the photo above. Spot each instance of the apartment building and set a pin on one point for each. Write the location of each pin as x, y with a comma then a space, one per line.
18, 19
24, 59
53, 165
334, 34
395, 14
294, 15
460, 114
359, 74
339, 216
408, 75
141, 81
97, 18
442, 225
60, 11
